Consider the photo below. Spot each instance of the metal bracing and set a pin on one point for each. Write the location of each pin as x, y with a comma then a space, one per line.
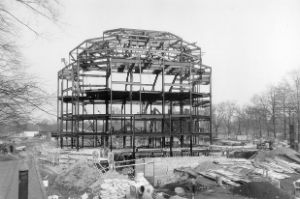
134, 84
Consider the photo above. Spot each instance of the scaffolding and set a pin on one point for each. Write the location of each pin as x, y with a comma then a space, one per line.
132, 85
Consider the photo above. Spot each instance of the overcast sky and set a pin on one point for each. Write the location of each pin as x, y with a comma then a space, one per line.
250, 44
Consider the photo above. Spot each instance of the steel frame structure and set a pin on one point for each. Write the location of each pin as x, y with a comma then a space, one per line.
134, 83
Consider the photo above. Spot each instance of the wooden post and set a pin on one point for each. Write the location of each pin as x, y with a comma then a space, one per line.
23, 181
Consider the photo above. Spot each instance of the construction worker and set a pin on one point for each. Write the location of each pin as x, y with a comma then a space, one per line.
227, 152
193, 181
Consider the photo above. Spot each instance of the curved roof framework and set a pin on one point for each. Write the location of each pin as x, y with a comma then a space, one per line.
138, 44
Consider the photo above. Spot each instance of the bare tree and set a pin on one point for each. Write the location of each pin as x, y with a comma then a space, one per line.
272, 107
19, 95
254, 117
269, 112
217, 115
284, 98
260, 104
42, 8
242, 120
227, 114
295, 96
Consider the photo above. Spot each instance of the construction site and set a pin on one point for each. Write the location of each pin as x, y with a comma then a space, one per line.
134, 121
165, 99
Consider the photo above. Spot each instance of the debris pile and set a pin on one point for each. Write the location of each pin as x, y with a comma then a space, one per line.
82, 178
76, 179
115, 188
276, 165
266, 168
261, 190
108, 177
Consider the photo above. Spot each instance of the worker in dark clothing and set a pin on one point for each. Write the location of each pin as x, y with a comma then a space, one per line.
227, 152
193, 180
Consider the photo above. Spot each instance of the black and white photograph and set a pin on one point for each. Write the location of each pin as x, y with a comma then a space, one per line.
149, 99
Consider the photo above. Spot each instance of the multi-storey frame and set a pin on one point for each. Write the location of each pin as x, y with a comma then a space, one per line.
134, 84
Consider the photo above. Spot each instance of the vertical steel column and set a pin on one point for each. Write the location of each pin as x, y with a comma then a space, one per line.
83, 116
73, 107
198, 109
62, 111
163, 104
58, 113
105, 140
97, 138
111, 103
77, 102
67, 114
210, 118
94, 133
124, 142
102, 134
198, 90
181, 103
130, 99
181, 113
171, 129
133, 139
140, 69
191, 107
124, 123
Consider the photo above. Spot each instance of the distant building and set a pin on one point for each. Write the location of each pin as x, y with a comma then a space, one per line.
30, 133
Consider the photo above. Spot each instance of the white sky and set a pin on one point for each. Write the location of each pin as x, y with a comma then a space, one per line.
249, 43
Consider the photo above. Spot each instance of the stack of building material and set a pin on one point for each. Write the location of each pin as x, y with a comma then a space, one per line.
115, 188
211, 174
275, 168
239, 171
288, 165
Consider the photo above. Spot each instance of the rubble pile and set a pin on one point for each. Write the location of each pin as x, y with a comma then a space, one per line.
268, 168
107, 178
77, 178
115, 188
261, 190
276, 165
82, 177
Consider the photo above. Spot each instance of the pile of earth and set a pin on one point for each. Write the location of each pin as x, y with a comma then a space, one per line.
76, 180
261, 190
96, 186
81, 178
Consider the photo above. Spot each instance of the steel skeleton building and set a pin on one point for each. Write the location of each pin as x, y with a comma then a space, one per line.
132, 85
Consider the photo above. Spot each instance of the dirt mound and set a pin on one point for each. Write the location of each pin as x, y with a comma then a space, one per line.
77, 178
261, 190
96, 186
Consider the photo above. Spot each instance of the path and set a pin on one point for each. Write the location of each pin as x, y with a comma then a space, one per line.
9, 180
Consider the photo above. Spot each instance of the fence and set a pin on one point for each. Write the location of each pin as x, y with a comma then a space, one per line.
132, 167
160, 171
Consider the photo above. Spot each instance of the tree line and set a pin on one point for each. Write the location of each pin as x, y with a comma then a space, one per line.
270, 114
